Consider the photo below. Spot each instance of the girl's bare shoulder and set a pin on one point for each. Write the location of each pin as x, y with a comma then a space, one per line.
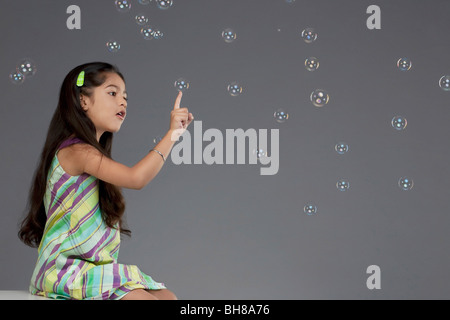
69, 158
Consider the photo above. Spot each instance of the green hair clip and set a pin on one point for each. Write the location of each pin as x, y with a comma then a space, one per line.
80, 79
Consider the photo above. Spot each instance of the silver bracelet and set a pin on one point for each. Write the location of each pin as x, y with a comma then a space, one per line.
159, 153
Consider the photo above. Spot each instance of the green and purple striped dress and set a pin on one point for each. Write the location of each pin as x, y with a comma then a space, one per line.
78, 251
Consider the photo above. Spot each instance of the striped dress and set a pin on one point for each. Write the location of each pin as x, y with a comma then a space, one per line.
77, 256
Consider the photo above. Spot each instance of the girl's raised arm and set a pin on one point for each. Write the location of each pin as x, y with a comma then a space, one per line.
93, 162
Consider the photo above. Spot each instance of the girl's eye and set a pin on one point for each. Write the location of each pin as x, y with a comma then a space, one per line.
112, 93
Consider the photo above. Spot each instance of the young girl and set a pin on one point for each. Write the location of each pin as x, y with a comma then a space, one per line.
76, 205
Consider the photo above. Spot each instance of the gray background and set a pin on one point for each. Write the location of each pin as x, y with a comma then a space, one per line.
225, 231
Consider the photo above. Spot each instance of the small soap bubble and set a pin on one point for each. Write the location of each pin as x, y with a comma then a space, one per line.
260, 153
156, 139
26, 67
312, 64
228, 35
181, 84
280, 115
399, 122
147, 32
123, 5
113, 46
404, 64
290, 1
342, 185
234, 89
309, 35
405, 183
444, 83
310, 209
341, 148
141, 19
145, 2
16, 77
319, 97
157, 34
164, 4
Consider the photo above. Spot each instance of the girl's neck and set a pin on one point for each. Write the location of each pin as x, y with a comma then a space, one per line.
73, 136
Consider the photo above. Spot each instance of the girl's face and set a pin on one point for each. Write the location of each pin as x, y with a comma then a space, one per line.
107, 105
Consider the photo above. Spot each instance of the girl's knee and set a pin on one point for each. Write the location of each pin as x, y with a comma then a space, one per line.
172, 295
139, 294
163, 294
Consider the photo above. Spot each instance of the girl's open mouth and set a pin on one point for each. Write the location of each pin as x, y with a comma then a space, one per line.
121, 115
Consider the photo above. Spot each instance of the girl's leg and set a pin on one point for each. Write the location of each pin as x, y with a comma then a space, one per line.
163, 294
139, 294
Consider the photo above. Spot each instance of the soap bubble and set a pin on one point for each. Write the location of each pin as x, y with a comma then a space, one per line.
309, 35
181, 84
123, 5
234, 89
405, 183
157, 34
260, 153
145, 2
444, 83
310, 209
280, 115
312, 64
164, 4
141, 19
156, 139
228, 35
341, 148
290, 1
16, 77
404, 64
399, 122
147, 32
26, 67
113, 46
319, 97
342, 185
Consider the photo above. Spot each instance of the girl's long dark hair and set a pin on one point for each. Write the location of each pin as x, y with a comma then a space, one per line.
69, 118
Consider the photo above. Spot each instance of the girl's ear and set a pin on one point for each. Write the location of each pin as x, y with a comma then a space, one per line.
83, 102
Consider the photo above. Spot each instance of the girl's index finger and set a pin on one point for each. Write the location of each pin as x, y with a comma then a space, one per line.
178, 101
